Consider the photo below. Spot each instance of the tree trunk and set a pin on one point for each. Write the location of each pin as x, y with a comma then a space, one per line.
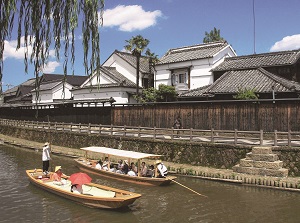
137, 74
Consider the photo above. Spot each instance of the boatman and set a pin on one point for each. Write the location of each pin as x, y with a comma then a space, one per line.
46, 157
161, 169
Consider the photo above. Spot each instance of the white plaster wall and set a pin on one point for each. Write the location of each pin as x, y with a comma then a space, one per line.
119, 94
44, 97
48, 96
58, 92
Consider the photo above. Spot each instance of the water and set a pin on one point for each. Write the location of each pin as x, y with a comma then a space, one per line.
23, 202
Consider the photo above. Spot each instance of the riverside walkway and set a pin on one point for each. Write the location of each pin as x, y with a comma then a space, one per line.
232, 137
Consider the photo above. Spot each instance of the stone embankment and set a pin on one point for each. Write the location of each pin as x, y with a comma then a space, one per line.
223, 175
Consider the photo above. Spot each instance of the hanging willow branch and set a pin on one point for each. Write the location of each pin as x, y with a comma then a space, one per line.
43, 23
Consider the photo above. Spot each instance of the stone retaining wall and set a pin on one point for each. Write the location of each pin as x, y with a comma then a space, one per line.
196, 154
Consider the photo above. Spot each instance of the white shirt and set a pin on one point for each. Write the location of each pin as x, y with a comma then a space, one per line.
162, 169
46, 153
131, 173
98, 166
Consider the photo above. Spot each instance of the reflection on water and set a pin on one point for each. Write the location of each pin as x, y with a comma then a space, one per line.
23, 202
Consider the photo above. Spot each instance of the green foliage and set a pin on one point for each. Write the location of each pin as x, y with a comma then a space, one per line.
166, 93
212, 36
163, 93
246, 94
136, 45
148, 95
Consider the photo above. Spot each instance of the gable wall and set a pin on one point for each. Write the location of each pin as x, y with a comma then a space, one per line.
55, 93
58, 92
123, 67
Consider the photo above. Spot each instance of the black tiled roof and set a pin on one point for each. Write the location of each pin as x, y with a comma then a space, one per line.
74, 80
259, 60
194, 52
198, 92
259, 79
13, 91
49, 85
114, 75
118, 77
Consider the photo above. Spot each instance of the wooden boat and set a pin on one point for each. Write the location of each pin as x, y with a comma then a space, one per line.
94, 195
89, 166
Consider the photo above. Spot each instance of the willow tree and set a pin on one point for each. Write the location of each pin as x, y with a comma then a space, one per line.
136, 45
52, 23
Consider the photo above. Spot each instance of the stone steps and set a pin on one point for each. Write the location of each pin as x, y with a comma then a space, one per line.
261, 161
261, 164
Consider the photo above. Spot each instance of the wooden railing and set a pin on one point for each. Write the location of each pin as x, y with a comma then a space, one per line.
233, 137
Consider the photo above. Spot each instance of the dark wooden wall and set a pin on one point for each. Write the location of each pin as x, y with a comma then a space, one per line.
283, 115
93, 115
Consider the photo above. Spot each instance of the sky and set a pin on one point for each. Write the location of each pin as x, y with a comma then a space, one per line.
269, 26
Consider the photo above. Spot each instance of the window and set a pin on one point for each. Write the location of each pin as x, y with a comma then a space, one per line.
179, 77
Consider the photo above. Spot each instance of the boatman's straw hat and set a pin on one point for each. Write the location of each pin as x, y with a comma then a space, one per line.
157, 162
46, 144
57, 168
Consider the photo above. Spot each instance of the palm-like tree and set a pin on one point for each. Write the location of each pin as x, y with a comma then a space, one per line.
212, 36
136, 45
153, 59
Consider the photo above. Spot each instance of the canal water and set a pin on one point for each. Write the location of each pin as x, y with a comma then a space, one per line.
23, 202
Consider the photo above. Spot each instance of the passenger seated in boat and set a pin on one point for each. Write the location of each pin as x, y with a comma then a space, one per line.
99, 165
58, 176
120, 166
114, 169
150, 171
133, 170
105, 165
76, 189
144, 169
162, 170
125, 167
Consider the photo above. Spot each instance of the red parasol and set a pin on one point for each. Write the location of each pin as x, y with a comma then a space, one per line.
80, 178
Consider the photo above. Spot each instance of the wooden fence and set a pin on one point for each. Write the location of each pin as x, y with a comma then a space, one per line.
234, 137
268, 115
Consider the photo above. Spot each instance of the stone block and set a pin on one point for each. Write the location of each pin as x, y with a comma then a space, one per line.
262, 150
261, 171
262, 157
261, 164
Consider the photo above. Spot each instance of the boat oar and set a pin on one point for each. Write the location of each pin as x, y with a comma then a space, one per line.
188, 188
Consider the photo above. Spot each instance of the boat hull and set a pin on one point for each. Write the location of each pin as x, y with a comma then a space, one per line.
121, 199
149, 181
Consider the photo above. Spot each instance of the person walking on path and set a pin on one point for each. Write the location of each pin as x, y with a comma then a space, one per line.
177, 125
46, 157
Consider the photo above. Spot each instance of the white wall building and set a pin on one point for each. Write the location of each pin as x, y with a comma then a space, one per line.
49, 92
189, 67
111, 84
125, 63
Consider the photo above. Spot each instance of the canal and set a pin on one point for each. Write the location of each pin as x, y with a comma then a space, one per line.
23, 202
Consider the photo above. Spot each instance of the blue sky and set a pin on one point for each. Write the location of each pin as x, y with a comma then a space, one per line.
176, 23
